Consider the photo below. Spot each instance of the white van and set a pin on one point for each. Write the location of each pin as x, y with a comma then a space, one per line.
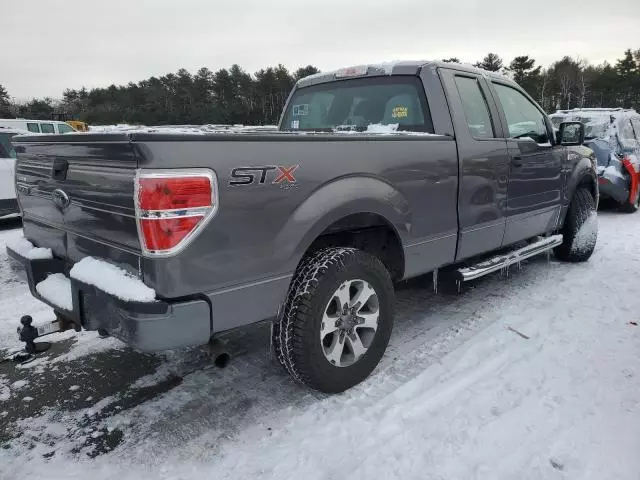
8, 202
37, 126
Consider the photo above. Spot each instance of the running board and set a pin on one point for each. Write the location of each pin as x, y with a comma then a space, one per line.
503, 261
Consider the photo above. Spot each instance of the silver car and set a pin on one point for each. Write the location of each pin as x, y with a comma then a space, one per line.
614, 135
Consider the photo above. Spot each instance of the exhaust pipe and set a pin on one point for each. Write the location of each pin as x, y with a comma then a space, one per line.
219, 352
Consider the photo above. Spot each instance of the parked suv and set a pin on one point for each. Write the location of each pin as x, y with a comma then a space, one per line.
614, 136
379, 173
37, 126
8, 202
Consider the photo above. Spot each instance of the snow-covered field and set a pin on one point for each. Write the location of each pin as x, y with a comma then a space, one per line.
531, 375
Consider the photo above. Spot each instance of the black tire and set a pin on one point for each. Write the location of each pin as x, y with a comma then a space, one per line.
296, 332
580, 234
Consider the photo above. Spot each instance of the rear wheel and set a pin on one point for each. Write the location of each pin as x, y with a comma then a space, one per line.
580, 230
337, 319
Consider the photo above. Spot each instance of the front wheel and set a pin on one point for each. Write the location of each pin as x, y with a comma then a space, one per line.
337, 319
580, 230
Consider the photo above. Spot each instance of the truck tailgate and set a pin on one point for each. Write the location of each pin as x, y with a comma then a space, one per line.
76, 193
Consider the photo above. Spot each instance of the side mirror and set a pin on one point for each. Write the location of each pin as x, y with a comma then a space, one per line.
570, 133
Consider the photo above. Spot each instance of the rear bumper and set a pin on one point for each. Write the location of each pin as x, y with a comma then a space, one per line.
159, 325
613, 186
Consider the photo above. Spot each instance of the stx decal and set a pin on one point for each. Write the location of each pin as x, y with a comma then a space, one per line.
283, 176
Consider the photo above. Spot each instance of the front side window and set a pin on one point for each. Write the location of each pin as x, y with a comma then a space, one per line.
475, 107
523, 117
64, 128
47, 128
33, 127
355, 104
6, 149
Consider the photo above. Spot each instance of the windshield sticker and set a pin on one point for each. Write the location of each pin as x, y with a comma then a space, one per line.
400, 111
295, 124
301, 110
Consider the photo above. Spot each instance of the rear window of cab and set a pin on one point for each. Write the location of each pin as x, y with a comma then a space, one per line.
355, 104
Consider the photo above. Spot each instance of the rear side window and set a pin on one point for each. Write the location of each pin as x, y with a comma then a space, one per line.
626, 135
523, 117
355, 104
64, 128
636, 127
6, 149
33, 127
47, 128
626, 130
475, 107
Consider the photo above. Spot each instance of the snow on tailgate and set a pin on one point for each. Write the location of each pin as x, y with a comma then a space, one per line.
112, 279
57, 289
25, 248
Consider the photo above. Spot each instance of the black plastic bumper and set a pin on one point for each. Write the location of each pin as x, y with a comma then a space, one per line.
154, 326
616, 187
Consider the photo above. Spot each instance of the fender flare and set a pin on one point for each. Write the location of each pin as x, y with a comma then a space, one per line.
336, 200
583, 171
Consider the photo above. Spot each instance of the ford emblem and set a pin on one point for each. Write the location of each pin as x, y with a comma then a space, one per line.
60, 198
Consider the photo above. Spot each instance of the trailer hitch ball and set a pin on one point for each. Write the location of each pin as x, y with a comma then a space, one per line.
28, 333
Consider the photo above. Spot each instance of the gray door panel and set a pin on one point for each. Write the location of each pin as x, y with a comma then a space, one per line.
535, 175
483, 164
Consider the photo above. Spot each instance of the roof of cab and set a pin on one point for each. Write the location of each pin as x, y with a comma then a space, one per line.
404, 67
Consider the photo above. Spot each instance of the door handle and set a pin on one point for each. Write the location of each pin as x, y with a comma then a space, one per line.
516, 161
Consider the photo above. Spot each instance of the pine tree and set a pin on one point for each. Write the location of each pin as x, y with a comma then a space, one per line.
626, 66
525, 74
492, 62
629, 79
4, 103
305, 72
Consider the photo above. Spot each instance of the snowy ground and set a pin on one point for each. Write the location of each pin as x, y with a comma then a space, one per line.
531, 376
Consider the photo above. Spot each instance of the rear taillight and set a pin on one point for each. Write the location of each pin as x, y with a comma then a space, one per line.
172, 206
634, 176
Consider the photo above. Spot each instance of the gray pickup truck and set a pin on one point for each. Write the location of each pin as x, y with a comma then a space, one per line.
377, 174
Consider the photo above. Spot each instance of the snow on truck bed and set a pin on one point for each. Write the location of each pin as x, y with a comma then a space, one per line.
372, 129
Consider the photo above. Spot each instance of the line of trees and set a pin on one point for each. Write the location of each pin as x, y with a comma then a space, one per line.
231, 96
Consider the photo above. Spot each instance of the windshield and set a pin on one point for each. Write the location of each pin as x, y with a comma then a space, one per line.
64, 128
356, 104
595, 126
6, 149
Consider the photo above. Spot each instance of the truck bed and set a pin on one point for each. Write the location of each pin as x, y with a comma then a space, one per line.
250, 239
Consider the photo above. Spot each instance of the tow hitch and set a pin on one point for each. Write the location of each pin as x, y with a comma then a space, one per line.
27, 332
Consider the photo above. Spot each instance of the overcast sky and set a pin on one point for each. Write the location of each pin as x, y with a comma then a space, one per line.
47, 46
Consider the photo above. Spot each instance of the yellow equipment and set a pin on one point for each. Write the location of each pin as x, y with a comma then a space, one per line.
78, 125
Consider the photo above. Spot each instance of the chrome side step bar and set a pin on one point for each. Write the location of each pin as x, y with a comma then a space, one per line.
503, 261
